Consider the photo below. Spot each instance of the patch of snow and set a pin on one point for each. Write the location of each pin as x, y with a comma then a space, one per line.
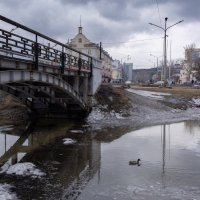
25, 169
175, 110
68, 141
196, 101
97, 115
110, 98
76, 131
119, 116
5, 193
153, 95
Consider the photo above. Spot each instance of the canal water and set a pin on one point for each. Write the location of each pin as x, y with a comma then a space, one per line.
60, 160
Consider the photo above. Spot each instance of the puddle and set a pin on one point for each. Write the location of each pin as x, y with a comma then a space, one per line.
96, 166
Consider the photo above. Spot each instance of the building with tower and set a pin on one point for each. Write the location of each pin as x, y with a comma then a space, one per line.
83, 44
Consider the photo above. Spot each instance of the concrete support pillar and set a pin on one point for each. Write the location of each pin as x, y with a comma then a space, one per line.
85, 88
90, 91
14, 159
76, 83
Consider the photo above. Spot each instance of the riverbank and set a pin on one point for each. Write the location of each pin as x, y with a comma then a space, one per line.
144, 111
115, 106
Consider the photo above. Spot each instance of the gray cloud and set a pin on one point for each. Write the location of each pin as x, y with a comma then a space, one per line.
102, 20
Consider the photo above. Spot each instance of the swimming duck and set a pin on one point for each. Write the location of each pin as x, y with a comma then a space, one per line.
133, 162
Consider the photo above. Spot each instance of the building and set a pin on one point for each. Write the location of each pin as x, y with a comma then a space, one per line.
116, 72
144, 75
175, 73
188, 72
127, 71
192, 54
83, 44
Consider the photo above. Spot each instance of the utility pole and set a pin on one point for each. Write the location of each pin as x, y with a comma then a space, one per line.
157, 57
165, 50
170, 57
165, 46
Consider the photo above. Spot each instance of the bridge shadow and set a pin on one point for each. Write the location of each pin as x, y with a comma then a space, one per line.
68, 168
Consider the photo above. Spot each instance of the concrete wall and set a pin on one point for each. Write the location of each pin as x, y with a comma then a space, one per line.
97, 75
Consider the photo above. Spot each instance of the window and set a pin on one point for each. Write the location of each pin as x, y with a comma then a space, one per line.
80, 40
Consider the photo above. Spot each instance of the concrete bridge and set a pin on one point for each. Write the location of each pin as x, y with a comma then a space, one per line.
46, 75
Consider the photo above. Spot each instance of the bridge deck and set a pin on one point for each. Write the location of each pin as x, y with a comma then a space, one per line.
43, 75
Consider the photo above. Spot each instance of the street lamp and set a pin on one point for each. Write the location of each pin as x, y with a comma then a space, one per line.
165, 46
157, 57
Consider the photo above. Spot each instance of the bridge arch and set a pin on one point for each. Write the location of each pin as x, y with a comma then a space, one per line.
15, 77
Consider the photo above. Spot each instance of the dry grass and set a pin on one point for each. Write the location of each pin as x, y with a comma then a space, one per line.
10, 102
113, 97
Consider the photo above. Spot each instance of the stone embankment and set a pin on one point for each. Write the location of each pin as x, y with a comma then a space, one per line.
12, 112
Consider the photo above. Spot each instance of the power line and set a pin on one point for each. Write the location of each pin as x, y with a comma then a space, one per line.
131, 41
158, 11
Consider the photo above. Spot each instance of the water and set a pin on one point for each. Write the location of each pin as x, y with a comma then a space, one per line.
97, 165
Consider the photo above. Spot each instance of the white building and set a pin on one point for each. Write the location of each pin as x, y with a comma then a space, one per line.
188, 73
81, 43
116, 72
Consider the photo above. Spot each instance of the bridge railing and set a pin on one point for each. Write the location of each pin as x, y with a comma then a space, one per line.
54, 53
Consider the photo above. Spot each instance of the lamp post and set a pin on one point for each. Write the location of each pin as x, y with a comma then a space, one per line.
157, 57
165, 46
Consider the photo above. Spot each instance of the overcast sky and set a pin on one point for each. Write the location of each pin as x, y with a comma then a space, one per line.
121, 25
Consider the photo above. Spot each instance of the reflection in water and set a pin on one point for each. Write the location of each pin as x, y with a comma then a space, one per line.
97, 166
192, 126
164, 147
68, 167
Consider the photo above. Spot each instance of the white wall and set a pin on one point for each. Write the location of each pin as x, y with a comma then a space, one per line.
97, 75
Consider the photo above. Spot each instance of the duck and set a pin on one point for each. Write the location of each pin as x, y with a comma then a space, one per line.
133, 162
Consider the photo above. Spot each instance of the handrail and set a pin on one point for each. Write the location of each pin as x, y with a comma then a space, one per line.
7, 20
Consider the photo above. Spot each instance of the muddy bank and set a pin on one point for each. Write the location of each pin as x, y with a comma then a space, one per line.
113, 99
115, 107
141, 111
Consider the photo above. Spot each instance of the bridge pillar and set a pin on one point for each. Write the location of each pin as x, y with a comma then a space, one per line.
76, 83
85, 88
14, 159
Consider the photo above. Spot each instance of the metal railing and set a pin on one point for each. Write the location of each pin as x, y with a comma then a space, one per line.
60, 55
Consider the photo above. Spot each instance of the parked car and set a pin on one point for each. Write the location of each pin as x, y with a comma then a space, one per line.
197, 84
159, 83
127, 84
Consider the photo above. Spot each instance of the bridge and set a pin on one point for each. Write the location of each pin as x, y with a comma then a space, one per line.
45, 74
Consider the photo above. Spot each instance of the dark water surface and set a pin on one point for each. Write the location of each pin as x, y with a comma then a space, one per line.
97, 166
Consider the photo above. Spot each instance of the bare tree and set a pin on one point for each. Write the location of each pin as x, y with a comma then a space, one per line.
197, 68
189, 62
